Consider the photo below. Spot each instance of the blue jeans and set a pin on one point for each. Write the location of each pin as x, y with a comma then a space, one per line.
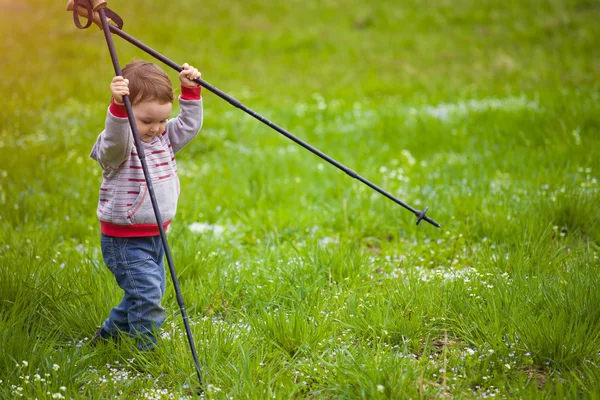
138, 266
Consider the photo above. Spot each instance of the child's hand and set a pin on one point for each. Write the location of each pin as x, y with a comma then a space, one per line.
119, 87
188, 74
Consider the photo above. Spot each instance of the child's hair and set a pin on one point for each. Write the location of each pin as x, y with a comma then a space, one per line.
148, 82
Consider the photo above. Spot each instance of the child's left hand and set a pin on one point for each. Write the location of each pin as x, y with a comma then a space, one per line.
188, 74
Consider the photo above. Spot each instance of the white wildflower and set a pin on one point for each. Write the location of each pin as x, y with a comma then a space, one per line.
201, 227
213, 388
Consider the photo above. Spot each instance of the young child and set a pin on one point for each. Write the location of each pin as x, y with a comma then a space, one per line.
130, 240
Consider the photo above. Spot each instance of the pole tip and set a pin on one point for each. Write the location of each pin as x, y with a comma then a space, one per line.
421, 216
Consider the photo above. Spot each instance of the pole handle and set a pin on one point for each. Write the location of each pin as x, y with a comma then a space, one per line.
89, 10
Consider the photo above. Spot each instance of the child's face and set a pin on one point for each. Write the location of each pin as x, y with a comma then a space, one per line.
151, 118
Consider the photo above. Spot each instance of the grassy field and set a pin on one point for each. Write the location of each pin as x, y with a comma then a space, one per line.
301, 282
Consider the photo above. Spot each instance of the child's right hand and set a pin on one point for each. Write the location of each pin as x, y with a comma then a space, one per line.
119, 87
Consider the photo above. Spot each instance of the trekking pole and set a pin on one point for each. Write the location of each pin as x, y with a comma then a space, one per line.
419, 214
99, 7
119, 32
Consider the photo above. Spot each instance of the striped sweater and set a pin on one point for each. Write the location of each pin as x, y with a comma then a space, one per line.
124, 206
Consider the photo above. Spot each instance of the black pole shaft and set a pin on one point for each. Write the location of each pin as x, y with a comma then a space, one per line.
142, 156
420, 214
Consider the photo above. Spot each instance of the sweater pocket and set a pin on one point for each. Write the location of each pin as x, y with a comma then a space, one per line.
166, 192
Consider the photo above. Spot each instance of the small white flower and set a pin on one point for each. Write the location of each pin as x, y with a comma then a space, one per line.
380, 388
25, 363
213, 388
507, 366
55, 367
201, 227
63, 388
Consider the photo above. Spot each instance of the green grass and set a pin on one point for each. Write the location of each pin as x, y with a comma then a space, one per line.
299, 281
